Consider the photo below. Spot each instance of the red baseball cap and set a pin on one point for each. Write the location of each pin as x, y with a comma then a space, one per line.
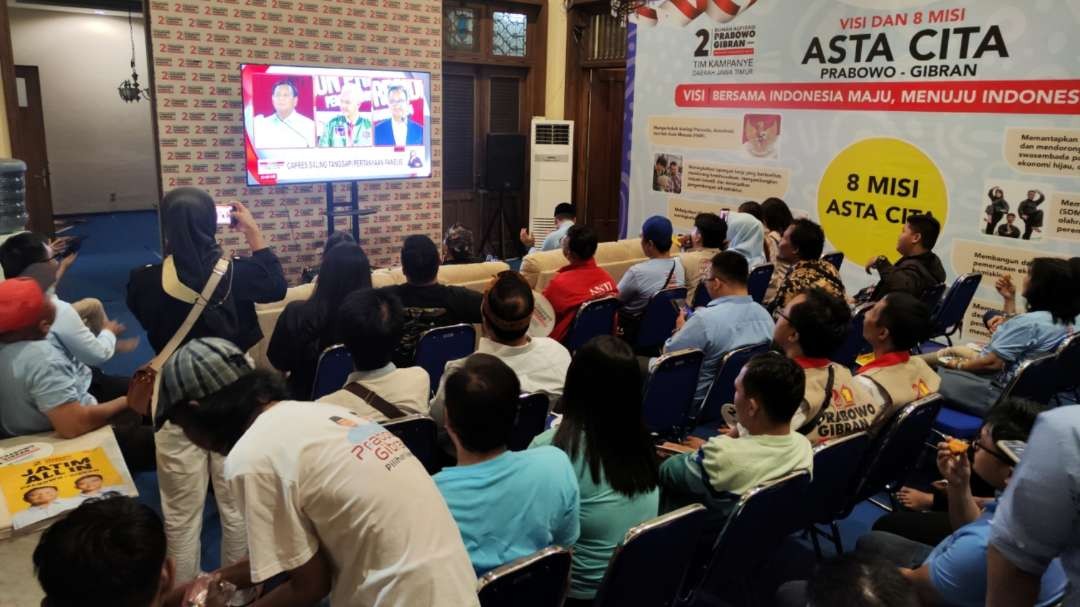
21, 304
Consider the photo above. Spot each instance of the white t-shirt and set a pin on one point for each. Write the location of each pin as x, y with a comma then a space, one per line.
407, 388
296, 131
311, 475
540, 366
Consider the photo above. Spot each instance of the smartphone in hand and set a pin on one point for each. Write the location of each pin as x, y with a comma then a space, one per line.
224, 214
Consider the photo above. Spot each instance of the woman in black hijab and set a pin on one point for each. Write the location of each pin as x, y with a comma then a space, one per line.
161, 295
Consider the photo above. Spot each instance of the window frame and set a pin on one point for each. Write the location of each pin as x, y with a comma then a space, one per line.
484, 31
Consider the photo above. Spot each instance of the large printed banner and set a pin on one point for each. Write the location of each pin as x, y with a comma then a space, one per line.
860, 113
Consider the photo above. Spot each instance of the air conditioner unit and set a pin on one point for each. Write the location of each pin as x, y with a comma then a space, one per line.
551, 154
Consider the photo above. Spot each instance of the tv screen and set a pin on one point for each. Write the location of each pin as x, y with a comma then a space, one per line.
316, 124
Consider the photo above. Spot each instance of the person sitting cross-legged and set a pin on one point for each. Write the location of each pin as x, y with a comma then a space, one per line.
955, 571
507, 504
42, 389
768, 392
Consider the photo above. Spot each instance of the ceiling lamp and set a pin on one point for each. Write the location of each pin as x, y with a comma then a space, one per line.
129, 89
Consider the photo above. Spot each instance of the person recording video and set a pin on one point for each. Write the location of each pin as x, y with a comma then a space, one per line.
352, 127
399, 130
286, 127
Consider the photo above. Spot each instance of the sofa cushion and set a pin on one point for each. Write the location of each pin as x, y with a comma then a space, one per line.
616, 257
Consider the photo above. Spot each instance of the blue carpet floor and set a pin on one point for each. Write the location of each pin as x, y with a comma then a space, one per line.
119, 242
113, 245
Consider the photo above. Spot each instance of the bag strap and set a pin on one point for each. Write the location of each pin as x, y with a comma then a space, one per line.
197, 308
667, 281
813, 421
388, 409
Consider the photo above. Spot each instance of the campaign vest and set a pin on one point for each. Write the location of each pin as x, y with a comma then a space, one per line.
903, 382
848, 409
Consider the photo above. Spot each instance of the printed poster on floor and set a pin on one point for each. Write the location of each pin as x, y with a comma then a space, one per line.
860, 113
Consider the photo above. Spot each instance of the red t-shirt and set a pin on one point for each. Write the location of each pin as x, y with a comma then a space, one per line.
572, 286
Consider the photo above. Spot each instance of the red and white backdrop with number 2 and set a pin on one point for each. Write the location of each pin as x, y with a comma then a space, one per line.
197, 47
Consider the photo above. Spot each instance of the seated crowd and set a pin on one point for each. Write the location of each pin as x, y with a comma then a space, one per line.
319, 499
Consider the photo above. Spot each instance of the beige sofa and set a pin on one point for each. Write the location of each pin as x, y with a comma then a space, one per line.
615, 257
473, 276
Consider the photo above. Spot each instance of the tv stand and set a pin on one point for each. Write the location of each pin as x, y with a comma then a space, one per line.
345, 208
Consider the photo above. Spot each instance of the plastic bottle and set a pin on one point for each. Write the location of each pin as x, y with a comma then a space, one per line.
13, 215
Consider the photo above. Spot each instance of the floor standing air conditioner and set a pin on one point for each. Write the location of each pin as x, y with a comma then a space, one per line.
551, 148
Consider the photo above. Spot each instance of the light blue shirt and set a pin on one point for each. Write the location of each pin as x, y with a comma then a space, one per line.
36, 377
958, 566
1025, 336
554, 239
645, 279
513, 505
606, 516
725, 324
1038, 518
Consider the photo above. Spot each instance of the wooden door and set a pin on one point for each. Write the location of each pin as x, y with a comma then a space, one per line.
478, 100
28, 145
603, 150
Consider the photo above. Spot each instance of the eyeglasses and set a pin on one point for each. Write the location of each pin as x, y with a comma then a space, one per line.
781, 314
976, 445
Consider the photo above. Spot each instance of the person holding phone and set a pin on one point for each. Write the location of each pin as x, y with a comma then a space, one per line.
160, 296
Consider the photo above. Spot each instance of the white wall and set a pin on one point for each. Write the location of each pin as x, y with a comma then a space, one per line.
99, 147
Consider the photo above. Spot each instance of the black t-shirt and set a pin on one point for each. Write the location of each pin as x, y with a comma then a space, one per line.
231, 314
300, 336
432, 306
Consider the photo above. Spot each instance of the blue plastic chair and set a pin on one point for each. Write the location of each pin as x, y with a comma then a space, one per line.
1068, 363
538, 580
894, 451
635, 576
419, 435
759, 523
955, 423
932, 297
531, 420
332, 371
596, 317
836, 464
949, 316
440, 345
855, 344
669, 392
659, 319
722, 390
757, 282
701, 297
836, 258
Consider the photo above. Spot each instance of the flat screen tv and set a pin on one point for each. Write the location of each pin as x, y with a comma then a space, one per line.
318, 124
